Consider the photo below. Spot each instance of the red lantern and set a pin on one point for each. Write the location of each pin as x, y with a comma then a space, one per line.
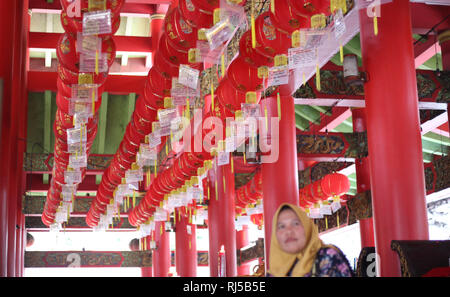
306, 192
317, 191
335, 184
195, 15
179, 33
269, 40
257, 219
157, 81
231, 97
153, 97
145, 111
243, 76
285, 19
250, 55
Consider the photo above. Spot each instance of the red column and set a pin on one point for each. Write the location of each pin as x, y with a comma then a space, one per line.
161, 255
156, 27
393, 131
444, 42
13, 37
221, 211
242, 241
185, 245
280, 178
363, 179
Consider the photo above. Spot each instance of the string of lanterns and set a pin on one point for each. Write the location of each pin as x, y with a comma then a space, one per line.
247, 75
85, 52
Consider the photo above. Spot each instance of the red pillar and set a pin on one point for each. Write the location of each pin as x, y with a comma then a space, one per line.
221, 211
185, 245
363, 179
280, 178
156, 26
161, 255
242, 241
444, 42
393, 131
13, 37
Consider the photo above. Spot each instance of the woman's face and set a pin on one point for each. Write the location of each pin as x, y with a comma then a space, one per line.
290, 232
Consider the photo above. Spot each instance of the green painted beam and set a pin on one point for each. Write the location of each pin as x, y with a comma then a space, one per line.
352, 177
301, 123
427, 158
433, 148
47, 126
344, 127
102, 119
352, 47
131, 104
430, 64
308, 113
436, 138
322, 109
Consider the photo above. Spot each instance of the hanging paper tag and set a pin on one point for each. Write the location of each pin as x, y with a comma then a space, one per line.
299, 57
223, 158
339, 24
94, 63
325, 210
78, 161
250, 110
315, 213
84, 92
230, 144
133, 176
76, 148
80, 119
81, 107
166, 116
234, 13
72, 177
335, 206
188, 76
161, 129
154, 140
180, 90
179, 101
219, 34
278, 76
97, 22
312, 38
89, 44
124, 190
76, 135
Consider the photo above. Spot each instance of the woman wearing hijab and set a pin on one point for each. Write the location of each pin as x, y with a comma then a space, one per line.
296, 249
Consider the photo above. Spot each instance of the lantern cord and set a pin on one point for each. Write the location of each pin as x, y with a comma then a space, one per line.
431, 30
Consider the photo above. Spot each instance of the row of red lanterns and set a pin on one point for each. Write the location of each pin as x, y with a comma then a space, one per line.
182, 23
249, 193
69, 74
333, 185
177, 37
181, 26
